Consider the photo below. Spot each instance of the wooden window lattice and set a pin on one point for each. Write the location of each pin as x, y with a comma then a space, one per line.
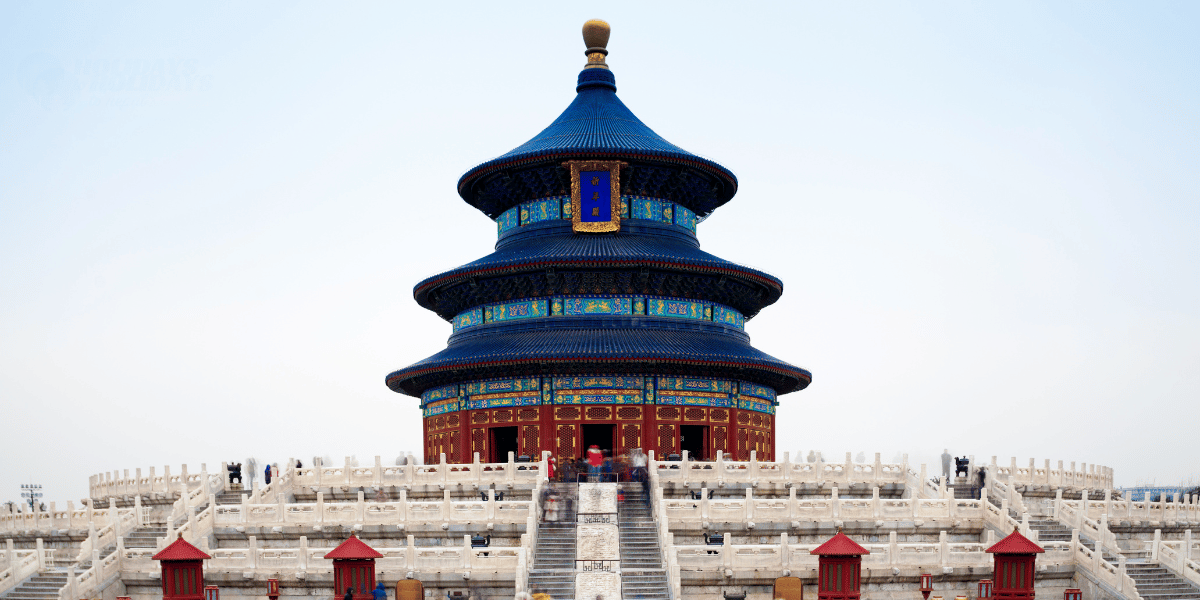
599, 412
528, 414
718, 414
629, 413
744, 419
666, 439
631, 436
502, 416
668, 413
566, 441
529, 441
567, 413
693, 414
452, 421
479, 417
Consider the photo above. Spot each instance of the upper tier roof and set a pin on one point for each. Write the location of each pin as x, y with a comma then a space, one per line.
596, 125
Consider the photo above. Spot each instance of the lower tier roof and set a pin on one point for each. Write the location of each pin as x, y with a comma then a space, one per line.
603, 344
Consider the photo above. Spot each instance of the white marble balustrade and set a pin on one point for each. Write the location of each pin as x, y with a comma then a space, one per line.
403, 511
724, 472
300, 560
121, 484
1085, 476
1177, 510
475, 474
834, 508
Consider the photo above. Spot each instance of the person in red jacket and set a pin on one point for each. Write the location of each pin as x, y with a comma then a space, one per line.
595, 459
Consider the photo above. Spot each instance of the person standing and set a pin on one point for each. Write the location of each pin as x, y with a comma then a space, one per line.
380, 592
946, 459
349, 594
595, 459
267, 475
251, 470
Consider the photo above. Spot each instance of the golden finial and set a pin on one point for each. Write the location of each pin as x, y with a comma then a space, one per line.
595, 37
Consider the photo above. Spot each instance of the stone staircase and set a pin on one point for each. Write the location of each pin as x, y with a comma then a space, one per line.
43, 586
553, 569
1157, 583
145, 537
232, 497
642, 572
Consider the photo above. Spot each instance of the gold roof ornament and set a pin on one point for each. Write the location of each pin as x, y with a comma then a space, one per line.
595, 37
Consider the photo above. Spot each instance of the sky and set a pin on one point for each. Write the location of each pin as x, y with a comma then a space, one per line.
212, 216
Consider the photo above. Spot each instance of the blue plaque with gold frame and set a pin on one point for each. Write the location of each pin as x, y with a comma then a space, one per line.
595, 195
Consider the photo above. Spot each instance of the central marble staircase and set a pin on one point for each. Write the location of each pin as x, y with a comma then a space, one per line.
553, 569
642, 572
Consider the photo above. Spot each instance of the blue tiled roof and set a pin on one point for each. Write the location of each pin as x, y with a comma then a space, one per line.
551, 345
554, 245
598, 125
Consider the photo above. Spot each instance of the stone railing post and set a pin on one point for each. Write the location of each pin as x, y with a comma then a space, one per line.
1058, 504
320, 507
303, 552
894, 548
510, 477
835, 503
877, 468
252, 552
704, 502
1083, 499
360, 507
377, 474
1156, 545
40, 547
754, 467
943, 549
876, 508
410, 552
748, 509
685, 468
785, 556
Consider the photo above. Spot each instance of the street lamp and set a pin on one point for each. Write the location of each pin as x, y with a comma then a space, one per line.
32, 492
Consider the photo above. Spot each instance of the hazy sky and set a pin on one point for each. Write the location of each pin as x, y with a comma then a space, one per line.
212, 216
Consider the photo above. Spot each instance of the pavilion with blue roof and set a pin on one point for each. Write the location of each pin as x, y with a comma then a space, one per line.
598, 320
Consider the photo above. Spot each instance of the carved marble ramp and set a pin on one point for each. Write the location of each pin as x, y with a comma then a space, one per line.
598, 554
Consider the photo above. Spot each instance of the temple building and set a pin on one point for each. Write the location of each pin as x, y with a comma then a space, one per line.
598, 319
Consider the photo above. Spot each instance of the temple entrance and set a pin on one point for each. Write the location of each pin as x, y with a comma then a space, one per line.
694, 439
603, 436
504, 440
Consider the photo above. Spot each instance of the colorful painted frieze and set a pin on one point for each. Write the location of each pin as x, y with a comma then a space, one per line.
678, 309
503, 400
695, 384
468, 318
500, 385
541, 210
529, 309
571, 306
748, 403
597, 306
615, 397
746, 388
694, 399
509, 220
685, 218
439, 393
559, 207
649, 209
728, 316
442, 407
598, 382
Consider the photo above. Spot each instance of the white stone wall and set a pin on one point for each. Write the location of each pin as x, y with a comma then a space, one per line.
602, 586
597, 498
598, 541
